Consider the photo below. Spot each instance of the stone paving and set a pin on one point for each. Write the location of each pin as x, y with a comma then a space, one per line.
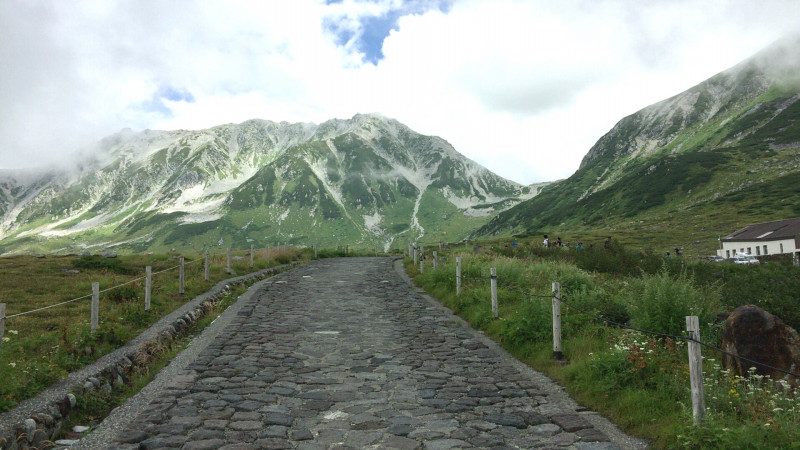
343, 353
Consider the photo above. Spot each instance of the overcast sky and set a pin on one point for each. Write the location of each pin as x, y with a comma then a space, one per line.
523, 87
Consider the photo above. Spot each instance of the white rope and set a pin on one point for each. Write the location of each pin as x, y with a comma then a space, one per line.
89, 295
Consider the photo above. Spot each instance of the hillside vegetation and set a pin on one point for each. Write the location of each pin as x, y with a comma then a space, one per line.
684, 171
639, 380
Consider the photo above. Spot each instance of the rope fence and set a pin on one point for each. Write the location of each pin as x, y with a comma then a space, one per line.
692, 323
148, 285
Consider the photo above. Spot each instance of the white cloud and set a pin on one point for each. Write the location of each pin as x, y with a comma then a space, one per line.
523, 87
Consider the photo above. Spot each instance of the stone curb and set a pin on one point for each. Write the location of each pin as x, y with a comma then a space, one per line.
36, 421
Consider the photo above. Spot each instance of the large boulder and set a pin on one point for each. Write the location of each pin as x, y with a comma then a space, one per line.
755, 334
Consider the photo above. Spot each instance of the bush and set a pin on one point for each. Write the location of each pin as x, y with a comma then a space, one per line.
660, 303
531, 323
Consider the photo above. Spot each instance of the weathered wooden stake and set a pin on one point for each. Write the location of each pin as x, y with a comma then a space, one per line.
495, 308
252, 253
315, 251
181, 276
228, 267
458, 275
557, 353
2, 321
416, 256
267, 247
422, 264
205, 267
95, 305
434, 259
148, 283
696, 370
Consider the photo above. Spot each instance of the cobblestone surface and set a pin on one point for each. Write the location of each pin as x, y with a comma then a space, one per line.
343, 353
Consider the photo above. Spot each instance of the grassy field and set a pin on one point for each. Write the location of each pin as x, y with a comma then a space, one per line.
41, 347
639, 381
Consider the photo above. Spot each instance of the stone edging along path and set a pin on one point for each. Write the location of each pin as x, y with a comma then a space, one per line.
39, 419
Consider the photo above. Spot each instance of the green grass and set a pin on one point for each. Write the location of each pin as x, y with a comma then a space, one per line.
639, 381
94, 406
41, 347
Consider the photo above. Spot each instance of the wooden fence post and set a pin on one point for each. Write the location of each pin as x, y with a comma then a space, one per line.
2, 321
458, 275
315, 251
181, 276
205, 268
228, 267
435, 255
422, 264
696, 370
267, 254
416, 256
148, 283
251, 256
558, 355
495, 308
95, 306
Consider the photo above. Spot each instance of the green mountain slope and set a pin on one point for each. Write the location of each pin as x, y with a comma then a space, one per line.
720, 155
368, 181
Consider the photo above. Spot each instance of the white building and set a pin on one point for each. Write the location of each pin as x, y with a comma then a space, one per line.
768, 238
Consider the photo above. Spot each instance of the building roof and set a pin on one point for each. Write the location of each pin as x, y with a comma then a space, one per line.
767, 231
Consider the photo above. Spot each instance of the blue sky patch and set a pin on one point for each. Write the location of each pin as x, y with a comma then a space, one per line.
371, 31
166, 93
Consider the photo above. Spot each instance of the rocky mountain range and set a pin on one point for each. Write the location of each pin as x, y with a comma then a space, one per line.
367, 181
705, 162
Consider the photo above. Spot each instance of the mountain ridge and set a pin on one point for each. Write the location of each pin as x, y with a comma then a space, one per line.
368, 179
685, 160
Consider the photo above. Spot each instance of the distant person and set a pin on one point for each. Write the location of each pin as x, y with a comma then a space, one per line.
559, 243
579, 246
513, 243
667, 254
546, 241
678, 252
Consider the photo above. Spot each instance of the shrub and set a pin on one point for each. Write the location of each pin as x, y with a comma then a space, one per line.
531, 323
661, 303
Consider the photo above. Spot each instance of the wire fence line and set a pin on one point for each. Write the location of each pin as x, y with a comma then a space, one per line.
654, 333
47, 307
10, 316
607, 321
692, 326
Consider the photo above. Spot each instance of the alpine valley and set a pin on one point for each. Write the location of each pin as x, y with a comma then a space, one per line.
365, 182
681, 172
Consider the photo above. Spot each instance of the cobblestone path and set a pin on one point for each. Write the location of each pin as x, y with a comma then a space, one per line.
343, 353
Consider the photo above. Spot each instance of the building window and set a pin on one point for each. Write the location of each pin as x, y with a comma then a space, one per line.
749, 250
781, 247
758, 251
765, 250
728, 253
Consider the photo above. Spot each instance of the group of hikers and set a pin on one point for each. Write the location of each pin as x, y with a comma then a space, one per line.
558, 243
606, 244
